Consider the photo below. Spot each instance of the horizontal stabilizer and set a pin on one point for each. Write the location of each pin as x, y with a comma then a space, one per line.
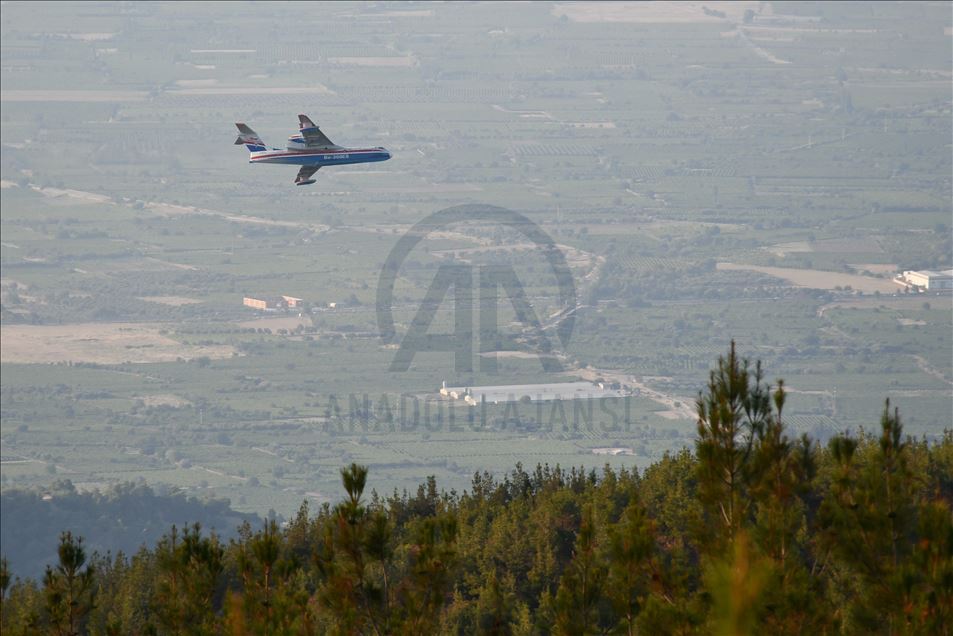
249, 138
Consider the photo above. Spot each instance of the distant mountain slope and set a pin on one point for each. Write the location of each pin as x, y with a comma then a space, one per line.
122, 518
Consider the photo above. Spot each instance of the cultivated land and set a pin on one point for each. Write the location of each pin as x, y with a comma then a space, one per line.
708, 174
818, 278
99, 343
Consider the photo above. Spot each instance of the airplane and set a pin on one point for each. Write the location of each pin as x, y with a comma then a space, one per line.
310, 149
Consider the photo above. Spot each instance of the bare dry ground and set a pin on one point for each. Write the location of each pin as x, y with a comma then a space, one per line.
163, 399
101, 343
412, 13
651, 12
678, 408
523, 355
403, 60
831, 246
170, 209
819, 279
72, 96
172, 301
311, 89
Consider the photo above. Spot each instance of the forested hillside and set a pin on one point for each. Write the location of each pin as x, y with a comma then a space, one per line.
751, 532
121, 519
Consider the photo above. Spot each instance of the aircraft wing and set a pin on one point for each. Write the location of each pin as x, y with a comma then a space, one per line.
313, 137
304, 175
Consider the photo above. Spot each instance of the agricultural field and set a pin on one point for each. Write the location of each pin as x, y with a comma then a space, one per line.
708, 172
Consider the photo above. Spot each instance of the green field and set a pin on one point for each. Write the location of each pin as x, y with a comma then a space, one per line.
813, 136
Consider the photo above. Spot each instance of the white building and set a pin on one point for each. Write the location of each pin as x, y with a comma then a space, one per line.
533, 392
929, 280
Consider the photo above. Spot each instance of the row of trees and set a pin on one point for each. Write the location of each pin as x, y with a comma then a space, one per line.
754, 531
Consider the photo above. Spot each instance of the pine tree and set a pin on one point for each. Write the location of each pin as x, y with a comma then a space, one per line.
496, 608
69, 588
428, 579
355, 561
931, 593
582, 584
670, 492
736, 585
189, 567
883, 537
4, 584
752, 479
731, 414
781, 474
631, 564
274, 598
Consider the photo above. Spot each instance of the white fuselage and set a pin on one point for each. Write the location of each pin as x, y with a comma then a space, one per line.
300, 155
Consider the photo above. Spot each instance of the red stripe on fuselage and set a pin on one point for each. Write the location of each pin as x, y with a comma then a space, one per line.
315, 153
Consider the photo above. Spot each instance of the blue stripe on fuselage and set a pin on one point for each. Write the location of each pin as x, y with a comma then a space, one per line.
337, 158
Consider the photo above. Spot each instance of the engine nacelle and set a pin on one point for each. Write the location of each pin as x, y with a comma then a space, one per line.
297, 142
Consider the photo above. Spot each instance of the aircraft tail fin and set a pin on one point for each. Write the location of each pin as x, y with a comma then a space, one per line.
249, 138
